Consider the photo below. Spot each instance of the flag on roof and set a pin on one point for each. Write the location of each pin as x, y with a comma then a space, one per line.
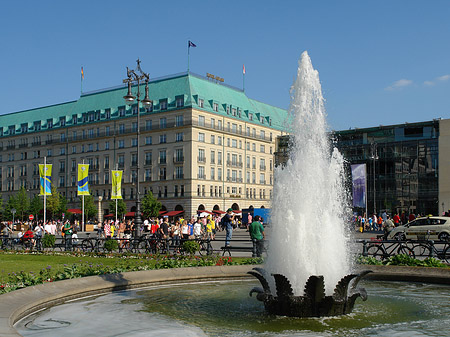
191, 44
82, 73
243, 69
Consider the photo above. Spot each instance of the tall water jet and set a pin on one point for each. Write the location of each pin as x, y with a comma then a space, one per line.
308, 233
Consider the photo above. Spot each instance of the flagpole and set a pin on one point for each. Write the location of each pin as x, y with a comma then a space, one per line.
82, 75
45, 192
189, 47
82, 211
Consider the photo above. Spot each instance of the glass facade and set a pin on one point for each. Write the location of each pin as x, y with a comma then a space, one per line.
402, 165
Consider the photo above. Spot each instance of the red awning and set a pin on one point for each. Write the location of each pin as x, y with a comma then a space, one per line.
218, 211
110, 215
74, 210
200, 211
130, 214
162, 212
237, 211
173, 213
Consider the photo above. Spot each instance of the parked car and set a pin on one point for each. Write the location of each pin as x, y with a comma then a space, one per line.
426, 228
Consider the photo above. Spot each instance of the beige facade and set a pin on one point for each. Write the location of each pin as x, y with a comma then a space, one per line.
189, 159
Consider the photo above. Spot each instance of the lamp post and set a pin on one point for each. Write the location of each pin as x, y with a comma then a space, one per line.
374, 157
137, 76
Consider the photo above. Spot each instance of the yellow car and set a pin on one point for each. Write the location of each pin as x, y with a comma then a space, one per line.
426, 228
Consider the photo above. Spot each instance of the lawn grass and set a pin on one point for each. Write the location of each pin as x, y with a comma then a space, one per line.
14, 263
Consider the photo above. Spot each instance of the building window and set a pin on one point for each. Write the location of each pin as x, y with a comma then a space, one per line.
163, 104
134, 142
148, 140
201, 155
219, 140
180, 102
219, 173
148, 175
179, 120
262, 179
121, 111
121, 144
121, 128
162, 173
179, 172
162, 139
250, 116
201, 137
162, 123
106, 145
134, 126
213, 139
148, 158
212, 173
162, 156
262, 148
201, 103
234, 143
179, 137
219, 158
213, 157
148, 124
201, 172
219, 124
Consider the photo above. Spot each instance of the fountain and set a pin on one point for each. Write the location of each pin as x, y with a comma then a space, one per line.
308, 233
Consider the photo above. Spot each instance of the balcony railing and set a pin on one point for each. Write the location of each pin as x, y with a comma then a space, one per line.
201, 159
179, 159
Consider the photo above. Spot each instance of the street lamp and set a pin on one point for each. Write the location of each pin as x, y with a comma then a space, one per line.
374, 157
137, 76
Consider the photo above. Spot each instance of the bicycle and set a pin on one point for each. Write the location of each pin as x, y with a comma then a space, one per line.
385, 249
91, 244
427, 248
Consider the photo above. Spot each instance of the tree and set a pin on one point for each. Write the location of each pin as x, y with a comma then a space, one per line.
53, 202
7, 214
89, 207
36, 205
150, 205
21, 203
121, 207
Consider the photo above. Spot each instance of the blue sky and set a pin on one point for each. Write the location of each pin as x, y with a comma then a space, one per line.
380, 62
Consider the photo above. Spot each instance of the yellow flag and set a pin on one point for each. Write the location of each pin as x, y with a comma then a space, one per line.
116, 185
83, 172
45, 175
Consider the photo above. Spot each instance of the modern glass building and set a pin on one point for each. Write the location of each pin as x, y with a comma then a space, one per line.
407, 168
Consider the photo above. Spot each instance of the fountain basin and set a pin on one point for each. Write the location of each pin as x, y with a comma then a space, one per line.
20, 303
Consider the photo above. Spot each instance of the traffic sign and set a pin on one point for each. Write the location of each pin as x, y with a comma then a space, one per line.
31, 217
13, 211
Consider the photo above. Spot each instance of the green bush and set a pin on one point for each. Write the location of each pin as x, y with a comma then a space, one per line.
48, 241
191, 247
111, 245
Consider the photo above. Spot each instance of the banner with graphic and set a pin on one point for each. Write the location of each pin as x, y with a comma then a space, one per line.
83, 172
45, 175
116, 184
359, 185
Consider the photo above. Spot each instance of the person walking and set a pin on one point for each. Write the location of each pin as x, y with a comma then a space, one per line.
228, 225
256, 230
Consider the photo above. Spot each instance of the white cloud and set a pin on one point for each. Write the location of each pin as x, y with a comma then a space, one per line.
399, 84
443, 78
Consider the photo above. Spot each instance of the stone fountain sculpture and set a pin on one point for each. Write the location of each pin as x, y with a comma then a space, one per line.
313, 303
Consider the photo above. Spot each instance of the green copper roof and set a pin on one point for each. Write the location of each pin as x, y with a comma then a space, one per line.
190, 86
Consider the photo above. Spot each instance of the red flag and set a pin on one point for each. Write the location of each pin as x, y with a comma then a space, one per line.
82, 73
243, 69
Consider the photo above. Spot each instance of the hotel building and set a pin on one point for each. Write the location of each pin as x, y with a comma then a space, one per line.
203, 145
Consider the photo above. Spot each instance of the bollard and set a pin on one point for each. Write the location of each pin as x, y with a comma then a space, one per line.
431, 243
254, 248
364, 252
208, 247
